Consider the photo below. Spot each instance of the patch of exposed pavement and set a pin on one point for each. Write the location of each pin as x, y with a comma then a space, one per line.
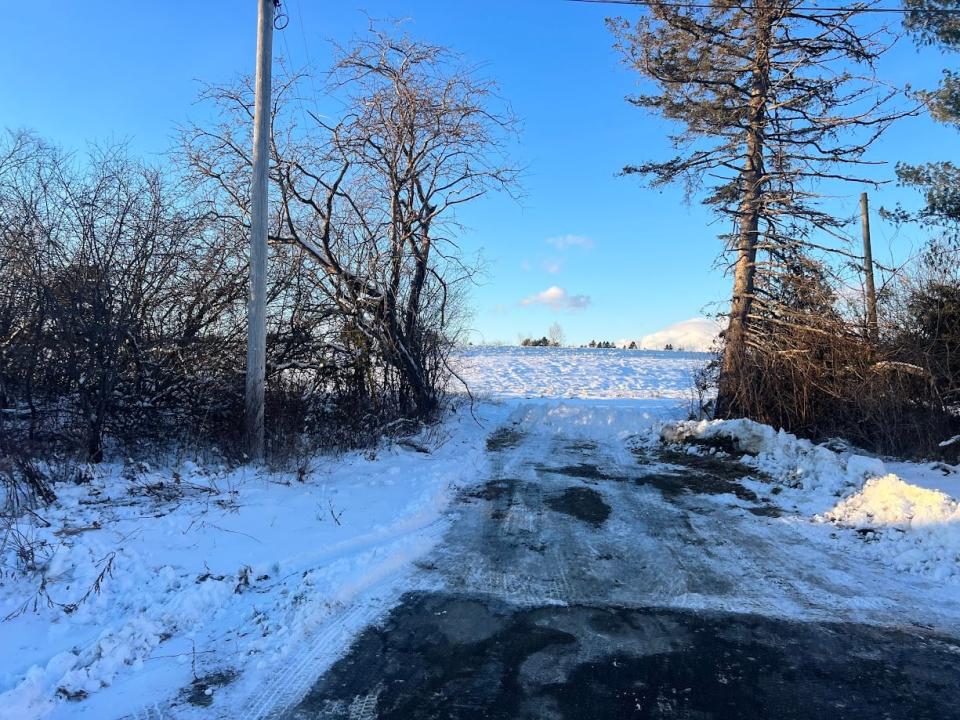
655, 600
446, 656
582, 503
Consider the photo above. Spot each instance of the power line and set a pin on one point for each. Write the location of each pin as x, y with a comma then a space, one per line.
311, 69
308, 72
802, 8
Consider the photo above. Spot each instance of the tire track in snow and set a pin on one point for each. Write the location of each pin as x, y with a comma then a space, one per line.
291, 681
294, 673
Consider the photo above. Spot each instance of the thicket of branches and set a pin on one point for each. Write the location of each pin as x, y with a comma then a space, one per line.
123, 287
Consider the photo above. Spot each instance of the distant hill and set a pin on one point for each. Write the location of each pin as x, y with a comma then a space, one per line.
696, 334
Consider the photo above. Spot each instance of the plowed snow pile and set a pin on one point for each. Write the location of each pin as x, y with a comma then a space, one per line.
898, 518
917, 529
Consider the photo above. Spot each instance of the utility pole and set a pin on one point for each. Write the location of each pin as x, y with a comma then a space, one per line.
872, 330
257, 310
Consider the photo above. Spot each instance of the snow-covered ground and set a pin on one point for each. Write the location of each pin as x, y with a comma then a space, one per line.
178, 569
903, 514
182, 570
533, 372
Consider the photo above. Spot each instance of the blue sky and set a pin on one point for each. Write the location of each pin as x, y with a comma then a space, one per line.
632, 259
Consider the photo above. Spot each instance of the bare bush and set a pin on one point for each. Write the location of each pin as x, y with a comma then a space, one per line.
816, 372
122, 306
112, 292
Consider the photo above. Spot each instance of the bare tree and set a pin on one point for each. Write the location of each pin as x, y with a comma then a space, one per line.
370, 197
556, 335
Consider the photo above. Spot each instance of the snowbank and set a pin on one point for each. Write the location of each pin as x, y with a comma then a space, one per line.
791, 461
916, 529
888, 501
192, 571
913, 528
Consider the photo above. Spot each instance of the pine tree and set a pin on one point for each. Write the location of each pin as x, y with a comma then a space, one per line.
770, 98
936, 22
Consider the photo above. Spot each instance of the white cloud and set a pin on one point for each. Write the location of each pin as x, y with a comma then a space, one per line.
558, 299
565, 241
552, 265
696, 334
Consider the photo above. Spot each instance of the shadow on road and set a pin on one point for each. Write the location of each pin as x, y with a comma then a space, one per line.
447, 656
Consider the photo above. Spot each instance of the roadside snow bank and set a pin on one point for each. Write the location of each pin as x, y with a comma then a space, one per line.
888, 501
918, 529
915, 529
796, 463
149, 580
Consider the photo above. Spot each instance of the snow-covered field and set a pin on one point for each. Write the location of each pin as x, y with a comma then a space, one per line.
155, 579
521, 372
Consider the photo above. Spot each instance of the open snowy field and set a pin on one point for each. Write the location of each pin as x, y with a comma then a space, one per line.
195, 590
532, 372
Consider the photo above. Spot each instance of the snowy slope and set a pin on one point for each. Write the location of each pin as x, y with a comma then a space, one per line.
519, 372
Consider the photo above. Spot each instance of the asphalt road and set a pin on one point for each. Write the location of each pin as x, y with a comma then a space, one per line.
589, 578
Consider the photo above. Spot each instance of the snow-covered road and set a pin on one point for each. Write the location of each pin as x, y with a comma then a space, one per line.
542, 554
588, 550
677, 534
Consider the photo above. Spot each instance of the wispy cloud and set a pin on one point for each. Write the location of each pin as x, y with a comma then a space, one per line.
562, 242
553, 265
558, 298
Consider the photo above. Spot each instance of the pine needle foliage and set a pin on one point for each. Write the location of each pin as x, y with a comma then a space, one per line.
771, 101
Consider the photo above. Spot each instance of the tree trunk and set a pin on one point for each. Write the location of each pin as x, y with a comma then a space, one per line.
748, 226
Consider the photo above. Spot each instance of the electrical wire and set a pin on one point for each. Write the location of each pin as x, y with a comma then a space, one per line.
801, 8
280, 18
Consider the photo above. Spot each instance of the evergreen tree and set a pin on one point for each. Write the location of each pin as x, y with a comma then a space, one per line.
770, 98
936, 22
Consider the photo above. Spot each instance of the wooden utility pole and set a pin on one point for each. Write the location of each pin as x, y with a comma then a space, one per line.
871, 289
257, 310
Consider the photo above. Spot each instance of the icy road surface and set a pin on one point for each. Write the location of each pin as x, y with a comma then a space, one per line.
597, 575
